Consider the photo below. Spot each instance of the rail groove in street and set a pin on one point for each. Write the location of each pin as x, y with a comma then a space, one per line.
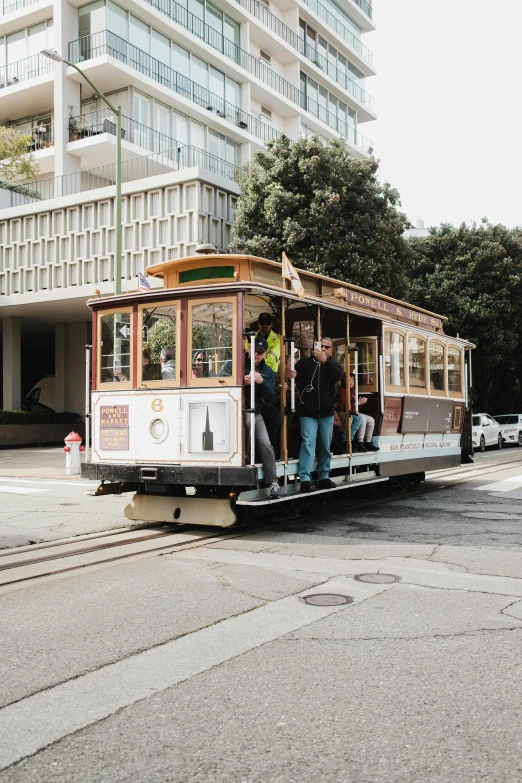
23, 566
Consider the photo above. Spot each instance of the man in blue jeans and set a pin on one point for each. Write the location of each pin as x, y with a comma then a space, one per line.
317, 377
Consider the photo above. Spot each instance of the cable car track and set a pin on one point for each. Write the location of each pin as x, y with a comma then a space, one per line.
20, 566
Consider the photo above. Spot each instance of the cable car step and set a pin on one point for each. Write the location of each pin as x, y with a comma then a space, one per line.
261, 497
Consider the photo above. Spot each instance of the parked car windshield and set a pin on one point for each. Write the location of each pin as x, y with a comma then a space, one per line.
511, 418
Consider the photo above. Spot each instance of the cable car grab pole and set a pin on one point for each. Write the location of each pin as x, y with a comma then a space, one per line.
252, 400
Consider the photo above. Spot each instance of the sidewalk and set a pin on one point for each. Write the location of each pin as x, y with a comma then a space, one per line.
34, 462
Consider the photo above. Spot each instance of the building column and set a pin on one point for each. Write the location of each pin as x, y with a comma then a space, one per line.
59, 366
78, 336
67, 93
12, 396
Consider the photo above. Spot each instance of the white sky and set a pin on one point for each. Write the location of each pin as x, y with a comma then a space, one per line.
448, 94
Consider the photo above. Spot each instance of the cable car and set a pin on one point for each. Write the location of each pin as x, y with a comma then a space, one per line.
168, 423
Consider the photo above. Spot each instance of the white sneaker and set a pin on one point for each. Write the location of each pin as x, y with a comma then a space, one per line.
275, 491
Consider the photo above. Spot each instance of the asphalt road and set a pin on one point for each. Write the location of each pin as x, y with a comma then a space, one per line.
208, 665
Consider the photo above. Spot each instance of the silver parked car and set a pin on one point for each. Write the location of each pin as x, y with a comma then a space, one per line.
511, 428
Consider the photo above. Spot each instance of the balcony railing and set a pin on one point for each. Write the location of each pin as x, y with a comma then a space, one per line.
252, 64
108, 43
181, 155
40, 137
267, 18
178, 158
343, 32
366, 7
9, 7
23, 70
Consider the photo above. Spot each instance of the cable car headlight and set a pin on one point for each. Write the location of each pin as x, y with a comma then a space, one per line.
159, 429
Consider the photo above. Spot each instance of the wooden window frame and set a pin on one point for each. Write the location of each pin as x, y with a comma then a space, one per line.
421, 390
106, 385
362, 387
389, 387
438, 392
218, 382
455, 395
160, 384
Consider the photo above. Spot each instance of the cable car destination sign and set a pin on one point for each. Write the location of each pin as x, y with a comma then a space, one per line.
382, 306
114, 427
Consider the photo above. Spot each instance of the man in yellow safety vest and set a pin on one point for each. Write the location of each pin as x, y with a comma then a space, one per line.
273, 356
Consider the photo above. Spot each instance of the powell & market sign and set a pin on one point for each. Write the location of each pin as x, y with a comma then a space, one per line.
403, 312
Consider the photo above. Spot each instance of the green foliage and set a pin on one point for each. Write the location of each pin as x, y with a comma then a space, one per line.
162, 334
473, 275
326, 210
15, 161
39, 417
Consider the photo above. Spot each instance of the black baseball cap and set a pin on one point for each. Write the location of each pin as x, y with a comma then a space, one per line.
265, 318
261, 344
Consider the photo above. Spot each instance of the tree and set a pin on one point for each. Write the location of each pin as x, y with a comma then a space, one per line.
162, 334
473, 275
16, 163
326, 210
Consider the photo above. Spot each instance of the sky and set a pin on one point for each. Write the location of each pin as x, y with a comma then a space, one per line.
448, 94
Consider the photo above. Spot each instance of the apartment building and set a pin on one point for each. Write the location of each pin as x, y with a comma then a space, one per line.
202, 85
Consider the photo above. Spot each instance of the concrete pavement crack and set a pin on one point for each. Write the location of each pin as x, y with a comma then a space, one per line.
508, 614
401, 638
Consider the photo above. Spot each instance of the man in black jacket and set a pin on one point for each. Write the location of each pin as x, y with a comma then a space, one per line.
265, 393
317, 377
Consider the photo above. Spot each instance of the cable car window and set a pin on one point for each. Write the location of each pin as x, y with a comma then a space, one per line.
159, 342
366, 366
115, 348
303, 334
436, 367
454, 370
394, 359
211, 350
417, 363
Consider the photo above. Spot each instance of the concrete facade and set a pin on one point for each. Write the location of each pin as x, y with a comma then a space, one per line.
201, 87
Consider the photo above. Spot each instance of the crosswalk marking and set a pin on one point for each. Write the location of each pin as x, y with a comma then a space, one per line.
22, 490
502, 486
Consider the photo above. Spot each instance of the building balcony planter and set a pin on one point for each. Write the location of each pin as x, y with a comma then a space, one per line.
32, 428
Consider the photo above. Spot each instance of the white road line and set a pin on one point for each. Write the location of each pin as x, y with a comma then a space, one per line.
22, 490
50, 481
502, 486
73, 705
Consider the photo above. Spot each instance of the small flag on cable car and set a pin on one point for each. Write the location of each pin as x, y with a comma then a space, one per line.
144, 283
290, 273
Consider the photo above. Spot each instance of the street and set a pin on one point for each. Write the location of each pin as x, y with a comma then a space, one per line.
200, 659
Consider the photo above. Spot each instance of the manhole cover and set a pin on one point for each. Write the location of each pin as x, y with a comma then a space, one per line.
327, 599
378, 579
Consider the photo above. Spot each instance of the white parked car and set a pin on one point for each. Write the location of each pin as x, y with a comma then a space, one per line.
511, 427
486, 432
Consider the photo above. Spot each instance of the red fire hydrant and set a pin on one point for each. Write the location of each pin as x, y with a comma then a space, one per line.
73, 450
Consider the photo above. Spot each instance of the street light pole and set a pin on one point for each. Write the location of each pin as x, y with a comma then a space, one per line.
117, 207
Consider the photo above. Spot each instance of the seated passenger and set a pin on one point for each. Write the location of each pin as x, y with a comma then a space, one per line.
149, 371
265, 394
355, 418
365, 430
168, 364
338, 445
120, 374
201, 366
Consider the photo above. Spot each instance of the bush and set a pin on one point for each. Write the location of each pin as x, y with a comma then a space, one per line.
39, 417
24, 190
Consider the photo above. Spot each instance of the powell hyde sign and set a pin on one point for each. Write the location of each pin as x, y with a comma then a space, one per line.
388, 308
